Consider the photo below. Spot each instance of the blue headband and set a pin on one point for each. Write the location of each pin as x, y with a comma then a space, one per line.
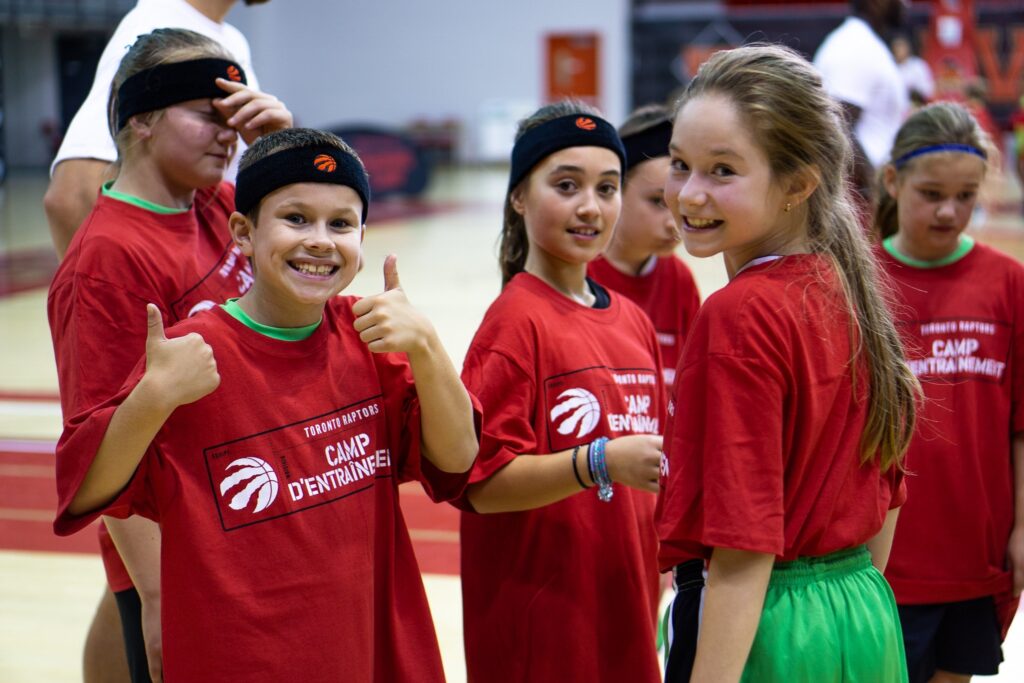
574, 130
950, 147
313, 164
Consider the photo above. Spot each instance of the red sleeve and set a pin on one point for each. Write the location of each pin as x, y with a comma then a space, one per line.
76, 451
1017, 353
406, 430
724, 484
739, 456
507, 397
99, 334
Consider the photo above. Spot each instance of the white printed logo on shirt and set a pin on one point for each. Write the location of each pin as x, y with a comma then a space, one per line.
259, 480
582, 408
203, 305
961, 349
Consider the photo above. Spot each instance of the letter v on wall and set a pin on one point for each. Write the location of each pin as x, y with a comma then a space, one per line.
1002, 85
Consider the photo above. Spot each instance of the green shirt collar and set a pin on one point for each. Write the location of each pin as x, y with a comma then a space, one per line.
136, 201
965, 246
282, 333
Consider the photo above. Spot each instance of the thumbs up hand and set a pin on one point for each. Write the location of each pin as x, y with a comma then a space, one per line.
180, 370
387, 322
391, 273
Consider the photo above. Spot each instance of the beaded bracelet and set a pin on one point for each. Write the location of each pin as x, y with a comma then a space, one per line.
576, 472
599, 466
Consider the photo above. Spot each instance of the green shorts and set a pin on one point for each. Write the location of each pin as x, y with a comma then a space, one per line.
829, 619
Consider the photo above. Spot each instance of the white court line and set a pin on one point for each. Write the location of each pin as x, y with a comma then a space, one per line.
30, 408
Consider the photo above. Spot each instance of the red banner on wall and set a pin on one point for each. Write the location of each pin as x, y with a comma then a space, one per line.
573, 67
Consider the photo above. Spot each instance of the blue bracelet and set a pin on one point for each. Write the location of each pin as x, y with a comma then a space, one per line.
599, 466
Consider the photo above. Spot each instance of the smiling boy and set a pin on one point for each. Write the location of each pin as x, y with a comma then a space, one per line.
268, 437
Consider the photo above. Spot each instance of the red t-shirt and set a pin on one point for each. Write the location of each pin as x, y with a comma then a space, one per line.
963, 327
284, 552
122, 258
566, 592
763, 441
667, 294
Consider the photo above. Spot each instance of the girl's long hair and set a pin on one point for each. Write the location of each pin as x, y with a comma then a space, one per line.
799, 127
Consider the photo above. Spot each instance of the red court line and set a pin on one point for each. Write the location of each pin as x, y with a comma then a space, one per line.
25, 494
437, 558
38, 536
30, 396
397, 209
26, 269
26, 450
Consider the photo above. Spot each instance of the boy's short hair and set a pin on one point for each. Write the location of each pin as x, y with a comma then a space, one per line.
293, 138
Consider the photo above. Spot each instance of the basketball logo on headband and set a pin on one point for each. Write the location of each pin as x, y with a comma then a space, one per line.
234, 74
586, 124
325, 163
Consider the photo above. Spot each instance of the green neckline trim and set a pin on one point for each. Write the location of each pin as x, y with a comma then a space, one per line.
141, 203
965, 246
282, 333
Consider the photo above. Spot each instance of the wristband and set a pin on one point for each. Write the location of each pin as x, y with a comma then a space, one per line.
599, 466
575, 472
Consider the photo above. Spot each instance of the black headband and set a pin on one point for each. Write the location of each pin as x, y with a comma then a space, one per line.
167, 84
314, 164
647, 144
575, 130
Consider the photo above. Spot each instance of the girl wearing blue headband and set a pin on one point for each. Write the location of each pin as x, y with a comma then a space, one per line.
157, 234
957, 560
558, 549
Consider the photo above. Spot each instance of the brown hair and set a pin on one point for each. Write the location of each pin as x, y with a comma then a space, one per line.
799, 127
162, 46
935, 124
514, 245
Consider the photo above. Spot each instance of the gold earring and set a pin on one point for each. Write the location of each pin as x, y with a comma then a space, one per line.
788, 207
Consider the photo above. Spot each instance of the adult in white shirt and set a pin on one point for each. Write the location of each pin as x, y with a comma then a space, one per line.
85, 160
86, 156
859, 71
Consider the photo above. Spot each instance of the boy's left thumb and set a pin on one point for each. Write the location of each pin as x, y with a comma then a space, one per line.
391, 273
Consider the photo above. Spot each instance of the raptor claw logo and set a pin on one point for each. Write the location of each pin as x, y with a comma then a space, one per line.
583, 410
260, 480
203, 305
325, 163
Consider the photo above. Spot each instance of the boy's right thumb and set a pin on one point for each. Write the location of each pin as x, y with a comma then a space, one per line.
155, 323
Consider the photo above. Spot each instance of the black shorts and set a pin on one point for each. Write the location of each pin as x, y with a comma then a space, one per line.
959, 637
130, 607
684, 621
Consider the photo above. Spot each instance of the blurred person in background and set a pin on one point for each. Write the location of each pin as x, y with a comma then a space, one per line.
917, 75
859, 71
